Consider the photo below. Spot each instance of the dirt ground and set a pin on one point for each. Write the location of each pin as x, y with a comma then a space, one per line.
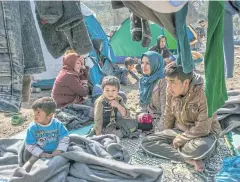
7, 129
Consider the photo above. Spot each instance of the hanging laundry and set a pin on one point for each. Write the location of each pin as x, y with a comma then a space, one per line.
228, 45
165, 20
62, 27
146, 33
135, 27
184, 57
175, 23
117, 4
20, 53
26, 89
47, 13
140, 30
214, 60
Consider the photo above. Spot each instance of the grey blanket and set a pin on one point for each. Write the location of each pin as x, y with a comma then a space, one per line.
86, 160
75, 116
229, 114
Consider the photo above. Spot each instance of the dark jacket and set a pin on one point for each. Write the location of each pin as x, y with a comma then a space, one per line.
162, 51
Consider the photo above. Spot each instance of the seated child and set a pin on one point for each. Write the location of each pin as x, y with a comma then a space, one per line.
46, 137
137, 66
110, 110
122, 73
130, 65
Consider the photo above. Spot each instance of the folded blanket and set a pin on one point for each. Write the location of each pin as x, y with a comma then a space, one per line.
86, 160
74, 116
229, 114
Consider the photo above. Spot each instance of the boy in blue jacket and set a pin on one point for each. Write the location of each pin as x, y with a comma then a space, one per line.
46, 137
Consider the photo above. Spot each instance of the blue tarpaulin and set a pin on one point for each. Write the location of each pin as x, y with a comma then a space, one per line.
96, 32
230, 171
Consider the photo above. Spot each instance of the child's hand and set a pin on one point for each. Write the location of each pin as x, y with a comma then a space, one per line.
135, 59
45, 155
114, 103
56, 152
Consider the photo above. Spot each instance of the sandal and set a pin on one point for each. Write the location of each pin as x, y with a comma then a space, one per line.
17, 119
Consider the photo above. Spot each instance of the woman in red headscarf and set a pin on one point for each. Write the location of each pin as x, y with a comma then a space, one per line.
71, 85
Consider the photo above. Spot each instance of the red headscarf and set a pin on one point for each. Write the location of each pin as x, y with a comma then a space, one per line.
69, 62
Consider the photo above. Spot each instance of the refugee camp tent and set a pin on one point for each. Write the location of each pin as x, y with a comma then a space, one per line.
45, 80
123, 46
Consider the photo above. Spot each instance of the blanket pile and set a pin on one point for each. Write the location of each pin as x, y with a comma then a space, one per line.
229, 114
94, 159
75, 116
